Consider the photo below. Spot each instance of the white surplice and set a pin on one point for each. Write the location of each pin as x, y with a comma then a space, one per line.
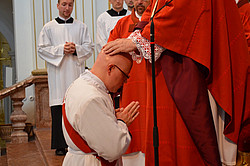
105, 23
63, 69
90, 111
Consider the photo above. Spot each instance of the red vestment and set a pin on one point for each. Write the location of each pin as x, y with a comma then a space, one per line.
209, 32
136, 88
244, 137
176, 147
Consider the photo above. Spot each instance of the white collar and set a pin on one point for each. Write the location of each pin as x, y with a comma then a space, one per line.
94, 80
137, 15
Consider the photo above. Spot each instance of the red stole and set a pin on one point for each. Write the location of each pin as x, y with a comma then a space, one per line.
79, 141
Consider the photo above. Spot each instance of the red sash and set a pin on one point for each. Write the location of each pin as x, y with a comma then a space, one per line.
80, 142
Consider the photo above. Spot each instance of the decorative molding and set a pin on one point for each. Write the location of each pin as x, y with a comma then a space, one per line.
50, 10
34, 32
39, 72
82, 10
43, 11
75, 10
93, 29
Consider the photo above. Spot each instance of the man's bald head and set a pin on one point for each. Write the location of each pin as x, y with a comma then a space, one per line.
112, 70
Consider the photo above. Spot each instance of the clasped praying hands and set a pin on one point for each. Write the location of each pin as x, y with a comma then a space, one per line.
69, 48
129, 113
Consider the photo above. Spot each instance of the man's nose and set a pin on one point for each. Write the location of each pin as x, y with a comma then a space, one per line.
140, 1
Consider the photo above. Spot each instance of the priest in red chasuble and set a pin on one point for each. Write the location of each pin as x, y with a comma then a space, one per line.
200, 46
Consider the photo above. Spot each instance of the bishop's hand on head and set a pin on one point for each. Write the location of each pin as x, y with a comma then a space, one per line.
119, 45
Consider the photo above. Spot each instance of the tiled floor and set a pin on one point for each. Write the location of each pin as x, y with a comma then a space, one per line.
38, 152
33, 153
44, 137
3, 160
25, 154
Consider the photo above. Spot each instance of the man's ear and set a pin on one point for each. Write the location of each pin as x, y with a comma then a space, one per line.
109, 67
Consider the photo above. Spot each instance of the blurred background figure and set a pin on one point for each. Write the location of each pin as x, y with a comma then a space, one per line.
107, 21
130, 4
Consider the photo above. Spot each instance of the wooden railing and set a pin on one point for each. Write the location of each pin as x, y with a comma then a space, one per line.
17, 93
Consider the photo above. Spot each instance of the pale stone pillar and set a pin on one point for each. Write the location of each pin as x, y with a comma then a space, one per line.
43, 113
18, 117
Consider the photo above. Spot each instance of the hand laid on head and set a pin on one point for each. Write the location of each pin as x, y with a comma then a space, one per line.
69, 48
128, 114
119, 45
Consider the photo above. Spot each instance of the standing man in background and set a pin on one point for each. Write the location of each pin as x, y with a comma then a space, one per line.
107, 21
135, 89
130, 4
64, 43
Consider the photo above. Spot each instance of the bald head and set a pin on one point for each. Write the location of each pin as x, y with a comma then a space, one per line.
112, 70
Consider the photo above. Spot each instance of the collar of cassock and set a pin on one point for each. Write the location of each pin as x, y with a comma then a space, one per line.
61, 21
112, 12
